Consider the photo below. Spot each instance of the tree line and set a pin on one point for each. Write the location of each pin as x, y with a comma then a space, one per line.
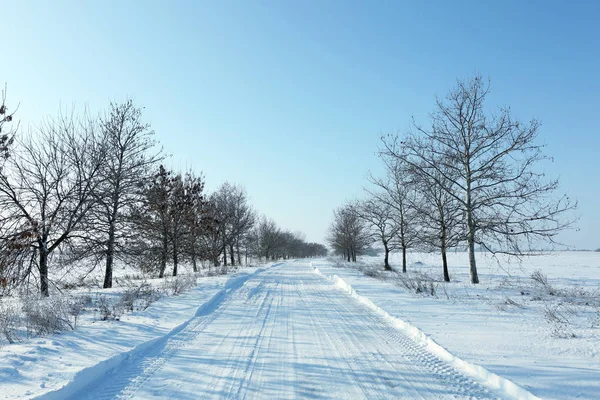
90, 189
468, 179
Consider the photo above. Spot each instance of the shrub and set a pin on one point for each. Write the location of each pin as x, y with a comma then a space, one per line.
419, 283
140, 295
47, 315
107, 310
179, 284
9, 322
557, 317
540, 278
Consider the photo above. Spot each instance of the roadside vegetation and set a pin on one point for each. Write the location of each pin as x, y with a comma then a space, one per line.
469, 178
83, 196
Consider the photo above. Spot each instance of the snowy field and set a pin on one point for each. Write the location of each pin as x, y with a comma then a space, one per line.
544, 337
294, 330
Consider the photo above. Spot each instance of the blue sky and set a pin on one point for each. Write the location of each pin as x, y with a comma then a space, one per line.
290, 98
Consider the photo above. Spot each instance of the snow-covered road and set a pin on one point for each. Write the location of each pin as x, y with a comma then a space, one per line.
283, 332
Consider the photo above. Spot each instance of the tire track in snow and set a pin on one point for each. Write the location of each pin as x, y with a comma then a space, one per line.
286, 333
139, 364
410, 351
334, 343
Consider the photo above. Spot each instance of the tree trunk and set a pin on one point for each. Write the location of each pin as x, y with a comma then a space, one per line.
471, 241
239, 256
232, 254
386, 264
225, 255
194, 261
44, 269
444, 260
175, 256
472, 262
110, 254
403, 259
470, 227
445, 266
163, 256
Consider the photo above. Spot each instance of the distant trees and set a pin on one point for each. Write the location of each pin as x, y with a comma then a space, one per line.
269, 241
89, 190
267, 238
378, 214
468, 178
401, 195
234, 218
349, 234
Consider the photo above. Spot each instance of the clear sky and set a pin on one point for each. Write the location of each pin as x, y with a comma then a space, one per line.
290, 98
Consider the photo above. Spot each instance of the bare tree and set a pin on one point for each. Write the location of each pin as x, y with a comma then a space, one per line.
379, 215
235, 217
268, 238
400, 194
439, 217
240, 219
486, 162
128, 164
348, 234
46, 189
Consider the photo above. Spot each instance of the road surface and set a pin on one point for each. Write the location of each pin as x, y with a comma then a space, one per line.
284, 332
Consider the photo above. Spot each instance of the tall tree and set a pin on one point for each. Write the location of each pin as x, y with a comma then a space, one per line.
130, 157
153, 220
46, 187
486, 162
197, 222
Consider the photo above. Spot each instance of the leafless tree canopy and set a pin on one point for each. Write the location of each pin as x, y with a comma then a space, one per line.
398, 190
81, 189
486, 163
46, 192
349, 234
384, 229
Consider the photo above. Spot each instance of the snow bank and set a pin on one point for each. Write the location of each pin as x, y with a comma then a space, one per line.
487, 378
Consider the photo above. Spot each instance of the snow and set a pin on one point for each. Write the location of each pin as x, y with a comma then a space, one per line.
502, 385
39, 365
474, 323
284, 331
